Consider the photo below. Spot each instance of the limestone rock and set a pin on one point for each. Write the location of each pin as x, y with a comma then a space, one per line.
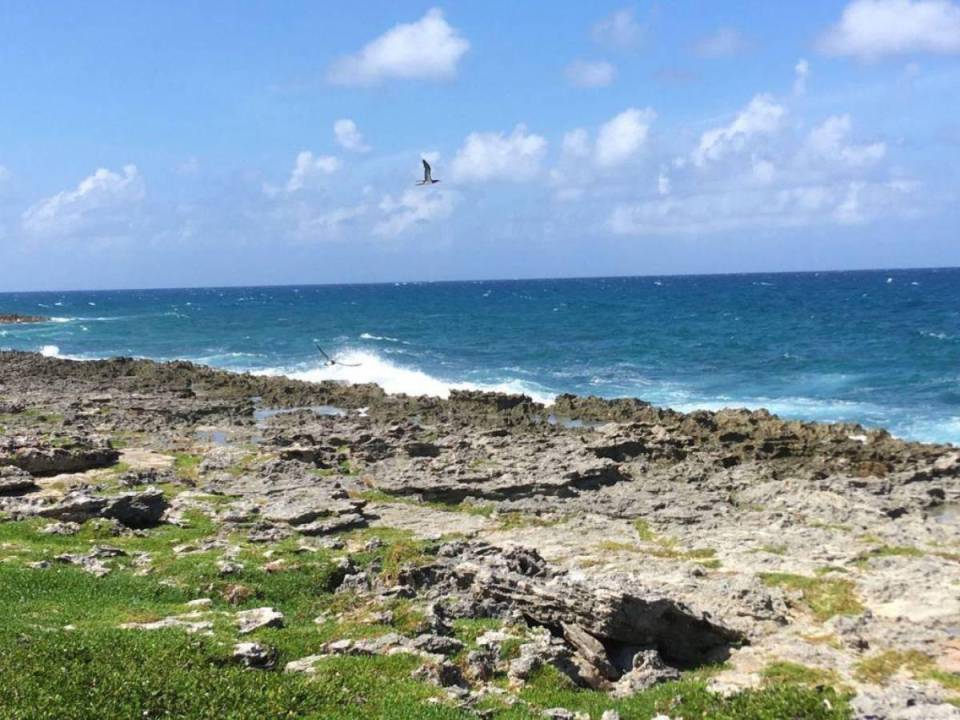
250, 620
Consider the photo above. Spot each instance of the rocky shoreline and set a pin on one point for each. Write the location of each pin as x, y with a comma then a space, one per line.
13, 319
619, 543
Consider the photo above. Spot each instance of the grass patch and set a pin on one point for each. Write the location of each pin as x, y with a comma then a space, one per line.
644, 531
864, 558
773, 549
824, 597
785, 672
187, 465
686, 698
879, 668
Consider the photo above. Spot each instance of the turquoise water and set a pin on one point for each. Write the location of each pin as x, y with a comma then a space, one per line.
881, 348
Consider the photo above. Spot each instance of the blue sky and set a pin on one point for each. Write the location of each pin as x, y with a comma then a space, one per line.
164, 144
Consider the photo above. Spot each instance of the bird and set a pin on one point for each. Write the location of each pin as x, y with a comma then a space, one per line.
330, 361
427, 174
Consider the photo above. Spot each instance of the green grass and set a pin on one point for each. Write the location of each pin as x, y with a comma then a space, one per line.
864, 558
187, 465
881, 667
686, 698
773, 549
785, 672
644, 531
665, 549
824, 597
99, 670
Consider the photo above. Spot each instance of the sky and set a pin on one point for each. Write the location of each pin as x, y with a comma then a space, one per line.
157, 144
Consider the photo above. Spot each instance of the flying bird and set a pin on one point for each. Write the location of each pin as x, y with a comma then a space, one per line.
330, 361
427, 174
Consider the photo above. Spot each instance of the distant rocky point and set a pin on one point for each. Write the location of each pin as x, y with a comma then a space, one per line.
19, 319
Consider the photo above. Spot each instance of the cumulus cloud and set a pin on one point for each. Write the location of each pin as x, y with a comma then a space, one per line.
801, 71
495, 156
870, 29
590, 74
308, 168
101, 205
415, 207
328, 224
619, 29
663, 183
576, 143
621, 137
828, 141
834, 203
725, 42
349, 136
761, 117
427, 49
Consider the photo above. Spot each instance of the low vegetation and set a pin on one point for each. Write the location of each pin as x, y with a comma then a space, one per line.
824, 597
63, 655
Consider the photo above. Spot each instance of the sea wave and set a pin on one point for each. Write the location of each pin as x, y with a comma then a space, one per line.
371, 368
369, 336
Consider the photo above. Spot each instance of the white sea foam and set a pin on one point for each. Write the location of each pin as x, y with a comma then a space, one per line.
60, 319
369, 336
371, 368
50, 351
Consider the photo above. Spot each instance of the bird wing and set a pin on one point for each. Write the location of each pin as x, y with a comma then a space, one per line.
426, 171
323, 353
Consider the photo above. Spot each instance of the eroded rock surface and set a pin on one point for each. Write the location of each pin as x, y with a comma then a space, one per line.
631, 542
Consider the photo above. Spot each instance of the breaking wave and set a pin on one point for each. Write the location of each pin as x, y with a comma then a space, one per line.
371, 368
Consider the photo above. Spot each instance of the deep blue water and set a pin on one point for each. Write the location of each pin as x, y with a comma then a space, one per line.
881, 348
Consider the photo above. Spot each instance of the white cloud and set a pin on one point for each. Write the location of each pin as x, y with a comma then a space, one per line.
828, 141
801, 72
621, 137
576, 143
725, 42
870, 29
619, 29
329, 224
307, 168
426, 49
590, 74
100, 205
733, 208
349, 136
663, 183
415, 207
764, 171
490, 156
761, 117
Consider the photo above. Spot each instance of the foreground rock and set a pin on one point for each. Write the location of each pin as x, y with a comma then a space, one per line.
134, 510
618, 542
69, 455
13, 319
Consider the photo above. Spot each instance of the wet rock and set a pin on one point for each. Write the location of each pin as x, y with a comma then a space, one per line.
14, 319
250, 620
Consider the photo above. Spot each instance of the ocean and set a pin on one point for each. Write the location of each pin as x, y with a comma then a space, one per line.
881, 348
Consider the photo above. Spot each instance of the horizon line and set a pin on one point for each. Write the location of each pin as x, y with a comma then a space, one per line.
373, 283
